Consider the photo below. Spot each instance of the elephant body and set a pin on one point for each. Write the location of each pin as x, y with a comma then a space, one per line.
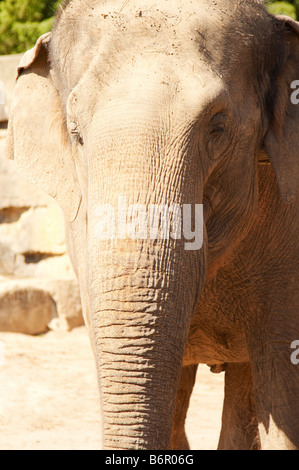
246, 318
178, 104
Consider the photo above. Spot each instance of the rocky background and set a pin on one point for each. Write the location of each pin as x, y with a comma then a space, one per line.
38, 288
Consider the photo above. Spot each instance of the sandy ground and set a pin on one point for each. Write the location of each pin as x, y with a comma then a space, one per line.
49, 395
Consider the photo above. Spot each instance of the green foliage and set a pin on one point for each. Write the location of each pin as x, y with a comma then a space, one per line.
296, 5
23, 21
284, 8
292, 2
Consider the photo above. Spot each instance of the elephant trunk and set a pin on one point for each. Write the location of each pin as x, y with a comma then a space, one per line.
141, 298
138, 372
140, 332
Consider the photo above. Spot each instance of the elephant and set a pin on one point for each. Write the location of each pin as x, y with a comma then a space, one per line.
189, 103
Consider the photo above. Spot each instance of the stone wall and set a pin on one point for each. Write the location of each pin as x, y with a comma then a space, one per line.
38, 287
8, 73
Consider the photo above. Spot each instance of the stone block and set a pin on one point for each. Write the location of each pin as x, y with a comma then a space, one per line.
8, 74
24, 308
41, 230
33, 306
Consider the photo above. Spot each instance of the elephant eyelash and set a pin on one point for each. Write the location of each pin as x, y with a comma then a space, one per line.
217, 132
76, 137
220, 128
219, 140
219, 122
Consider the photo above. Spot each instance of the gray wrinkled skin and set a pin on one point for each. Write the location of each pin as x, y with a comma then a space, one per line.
175, 102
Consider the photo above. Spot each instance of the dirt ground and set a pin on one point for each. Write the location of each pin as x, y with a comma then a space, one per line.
49, 395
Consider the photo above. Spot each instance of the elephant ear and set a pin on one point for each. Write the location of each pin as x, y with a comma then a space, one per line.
37, 139
281, 142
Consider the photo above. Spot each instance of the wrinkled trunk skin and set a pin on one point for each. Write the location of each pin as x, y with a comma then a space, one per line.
140, 312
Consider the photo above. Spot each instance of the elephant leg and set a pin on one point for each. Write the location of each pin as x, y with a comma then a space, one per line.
239, 424
179, 439
275, 379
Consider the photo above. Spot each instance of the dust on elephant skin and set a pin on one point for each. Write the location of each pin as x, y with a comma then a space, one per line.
175, 103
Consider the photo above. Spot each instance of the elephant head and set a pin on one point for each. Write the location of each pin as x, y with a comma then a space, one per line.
137, 106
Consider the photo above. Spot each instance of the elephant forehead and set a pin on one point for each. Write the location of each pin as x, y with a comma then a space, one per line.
139, 23
128, 9
170, 28
150, 83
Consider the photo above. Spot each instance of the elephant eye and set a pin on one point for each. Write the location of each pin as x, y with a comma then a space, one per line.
75, 134
218, 138
78, 138
218, 123
218, 129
